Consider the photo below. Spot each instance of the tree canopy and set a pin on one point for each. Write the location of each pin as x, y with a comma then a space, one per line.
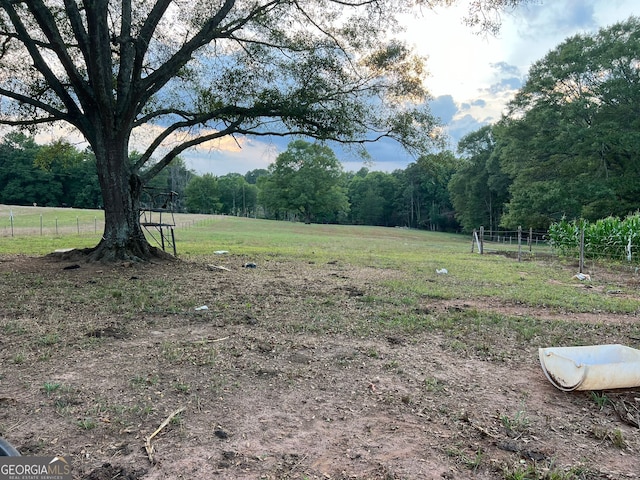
306, 180
568, 146
571, 139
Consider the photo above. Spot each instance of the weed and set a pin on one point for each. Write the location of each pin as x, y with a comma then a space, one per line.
373, 353
393, 365
472, 463
45, 354
139, 381
600, 399
63, 407
432, 384
615, 437
170, 351
143, 411
516, 425
204, 357
542, 471
87, 423
176, 420
144, 381
19, 358
49, 339
14, 328
50, 387
182, 387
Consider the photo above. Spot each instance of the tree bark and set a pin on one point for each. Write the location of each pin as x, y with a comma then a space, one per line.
123, 238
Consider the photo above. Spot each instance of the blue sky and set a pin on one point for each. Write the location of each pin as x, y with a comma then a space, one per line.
472, 77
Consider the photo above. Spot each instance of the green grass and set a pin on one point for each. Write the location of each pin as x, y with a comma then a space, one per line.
50, 387
413, 255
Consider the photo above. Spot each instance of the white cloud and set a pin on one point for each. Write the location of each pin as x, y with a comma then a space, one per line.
219, 159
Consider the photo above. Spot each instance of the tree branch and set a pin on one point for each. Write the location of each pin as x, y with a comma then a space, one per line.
47, 24
54, 112
210, 30
177, 150
125, 106
75, 19
41, 65
99, 63
146, 34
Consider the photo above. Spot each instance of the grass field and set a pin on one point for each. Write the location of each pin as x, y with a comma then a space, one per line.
415, 252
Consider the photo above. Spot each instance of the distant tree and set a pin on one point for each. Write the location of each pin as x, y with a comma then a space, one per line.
252, 176
85, 185
479, 189
74, 170
373, 198
306, 180
202, 195
21, 182
237, 196
425, 195
366, 202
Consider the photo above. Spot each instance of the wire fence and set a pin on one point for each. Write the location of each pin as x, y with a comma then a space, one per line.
520, 242
523, 243
52, 227
22, 221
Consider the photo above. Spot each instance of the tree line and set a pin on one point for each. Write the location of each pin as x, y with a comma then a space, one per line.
567, 148
305, 183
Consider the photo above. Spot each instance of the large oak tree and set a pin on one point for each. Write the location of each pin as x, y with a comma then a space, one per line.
571, 139
186, 72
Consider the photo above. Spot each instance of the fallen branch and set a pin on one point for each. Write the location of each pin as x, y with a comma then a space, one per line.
147, 443
483, 430
214, 340
204, 341
218, 267
628, 413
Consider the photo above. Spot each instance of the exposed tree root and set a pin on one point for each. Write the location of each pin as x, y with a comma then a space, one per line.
103, 253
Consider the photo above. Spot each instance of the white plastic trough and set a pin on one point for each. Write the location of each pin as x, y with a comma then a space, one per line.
594, 367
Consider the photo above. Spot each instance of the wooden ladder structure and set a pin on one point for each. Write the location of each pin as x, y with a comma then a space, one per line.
156, 217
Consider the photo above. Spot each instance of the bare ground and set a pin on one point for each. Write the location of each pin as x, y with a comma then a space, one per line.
288, 375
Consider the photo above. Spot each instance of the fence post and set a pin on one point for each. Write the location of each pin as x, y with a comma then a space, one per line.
474, 237
78, 224
56, 225
11, 220
40, 224
530, 238
481, 240
581, 261
519, 243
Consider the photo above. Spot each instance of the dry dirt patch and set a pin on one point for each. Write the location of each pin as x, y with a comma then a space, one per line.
286, 375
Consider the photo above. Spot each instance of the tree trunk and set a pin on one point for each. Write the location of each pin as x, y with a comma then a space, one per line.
123, 238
